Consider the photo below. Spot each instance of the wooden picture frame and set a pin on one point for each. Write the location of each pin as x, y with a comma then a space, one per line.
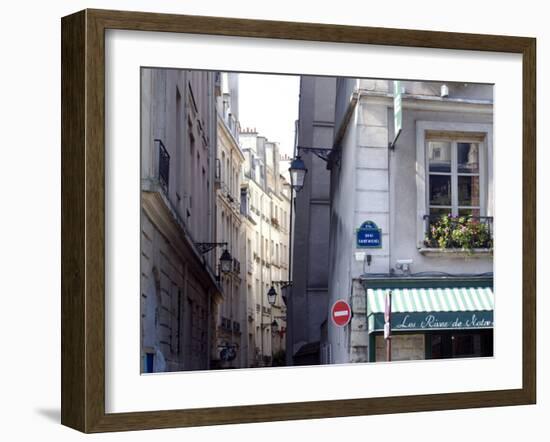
83, 218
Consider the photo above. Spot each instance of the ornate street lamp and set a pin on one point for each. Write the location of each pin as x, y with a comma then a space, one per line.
298, 172
226, 262
271, 296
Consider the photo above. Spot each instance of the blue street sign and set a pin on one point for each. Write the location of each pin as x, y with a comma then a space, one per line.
369, 236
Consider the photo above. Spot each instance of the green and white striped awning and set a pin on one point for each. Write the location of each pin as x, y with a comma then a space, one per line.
432, 308
456, 299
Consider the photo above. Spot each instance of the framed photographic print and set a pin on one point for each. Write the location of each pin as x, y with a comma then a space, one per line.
267, 221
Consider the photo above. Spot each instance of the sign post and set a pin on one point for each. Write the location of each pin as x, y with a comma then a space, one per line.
387, 325
340, 313
397, 112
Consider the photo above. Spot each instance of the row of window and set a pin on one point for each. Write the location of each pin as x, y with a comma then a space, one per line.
229, 232
273, 252
229, 176
275, 214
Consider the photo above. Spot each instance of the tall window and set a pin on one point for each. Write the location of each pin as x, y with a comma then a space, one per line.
222, 167
455, 177
227, 177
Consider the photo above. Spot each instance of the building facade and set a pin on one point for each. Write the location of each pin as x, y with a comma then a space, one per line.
413, 219
179, 290
308, 303
265, 206
231, 330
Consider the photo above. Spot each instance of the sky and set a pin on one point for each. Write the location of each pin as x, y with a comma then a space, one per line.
269, 103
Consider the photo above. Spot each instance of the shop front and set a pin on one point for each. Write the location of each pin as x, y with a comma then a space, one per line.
431, 319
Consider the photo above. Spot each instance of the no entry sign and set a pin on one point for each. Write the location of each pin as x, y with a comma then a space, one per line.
341, 313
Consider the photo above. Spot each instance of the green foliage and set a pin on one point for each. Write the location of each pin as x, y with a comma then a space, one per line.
462, 232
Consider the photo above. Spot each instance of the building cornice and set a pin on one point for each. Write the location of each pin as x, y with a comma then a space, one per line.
431, 103
158, 209
229, 136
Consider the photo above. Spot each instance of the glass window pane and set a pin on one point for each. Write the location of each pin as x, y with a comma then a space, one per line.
440, 190
439, 156
440, 211
464, 345
468, 157
469, 212
468, 191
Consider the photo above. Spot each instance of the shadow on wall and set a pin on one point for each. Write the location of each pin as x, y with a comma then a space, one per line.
51, 414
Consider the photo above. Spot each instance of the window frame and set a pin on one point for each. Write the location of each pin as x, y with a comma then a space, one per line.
477, 132
455, 205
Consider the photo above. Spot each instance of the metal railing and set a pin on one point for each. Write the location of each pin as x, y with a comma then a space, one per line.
458, 231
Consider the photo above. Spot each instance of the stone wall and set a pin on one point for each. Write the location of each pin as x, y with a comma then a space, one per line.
359, 337
404, 347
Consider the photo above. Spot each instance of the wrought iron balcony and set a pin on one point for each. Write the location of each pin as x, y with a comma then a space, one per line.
458, 232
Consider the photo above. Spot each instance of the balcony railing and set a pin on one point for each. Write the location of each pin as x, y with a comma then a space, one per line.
163, 165
459, 232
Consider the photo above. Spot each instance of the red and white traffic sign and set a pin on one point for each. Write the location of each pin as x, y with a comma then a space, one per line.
340, 313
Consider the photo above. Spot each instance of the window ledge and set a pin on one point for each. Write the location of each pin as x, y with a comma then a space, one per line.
456, 253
